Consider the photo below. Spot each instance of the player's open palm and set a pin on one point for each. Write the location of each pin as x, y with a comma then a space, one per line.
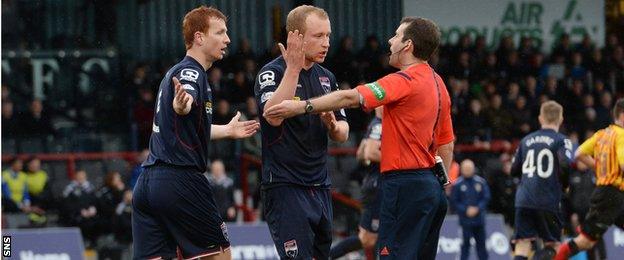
182, 101
242, 129
294, 54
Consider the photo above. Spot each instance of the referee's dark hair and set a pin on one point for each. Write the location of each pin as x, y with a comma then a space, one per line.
618, 108
425, 36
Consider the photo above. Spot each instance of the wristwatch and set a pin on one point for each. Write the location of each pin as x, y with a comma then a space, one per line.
308, 107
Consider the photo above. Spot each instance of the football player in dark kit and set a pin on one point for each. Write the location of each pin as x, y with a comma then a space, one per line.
369, 152
174, 209
295, 178
542, 159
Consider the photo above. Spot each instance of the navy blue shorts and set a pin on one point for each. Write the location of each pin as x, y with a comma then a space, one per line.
174, 212
370, 203
299, 220
535, 223
413, 207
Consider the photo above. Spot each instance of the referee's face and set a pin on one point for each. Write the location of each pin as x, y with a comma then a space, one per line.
397, 46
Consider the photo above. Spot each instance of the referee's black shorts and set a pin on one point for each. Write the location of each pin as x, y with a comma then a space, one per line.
606, 208
175, 214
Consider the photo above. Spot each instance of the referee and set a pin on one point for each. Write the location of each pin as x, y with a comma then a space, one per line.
605, 150
417, 126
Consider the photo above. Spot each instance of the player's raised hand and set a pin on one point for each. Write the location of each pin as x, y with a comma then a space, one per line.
329, 119
285, 109
294, 55
242, 129
182, 101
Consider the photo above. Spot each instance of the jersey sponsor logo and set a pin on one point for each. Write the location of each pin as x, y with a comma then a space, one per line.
477, 187
208, 106
266, 78
463, 188
290, 247
325, 84
377, 90
375, 224
265, 96
188, 87
189, 75
155, 128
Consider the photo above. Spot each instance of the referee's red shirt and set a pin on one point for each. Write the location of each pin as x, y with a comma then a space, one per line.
410, 101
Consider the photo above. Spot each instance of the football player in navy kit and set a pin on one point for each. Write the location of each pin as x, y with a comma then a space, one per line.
369, 152
542, 159
295, 179
174, 210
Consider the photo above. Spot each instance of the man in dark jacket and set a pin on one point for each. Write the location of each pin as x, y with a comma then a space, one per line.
470, 197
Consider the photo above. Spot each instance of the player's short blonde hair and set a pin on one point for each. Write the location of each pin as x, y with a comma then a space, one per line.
551, 112
296, 19
197, 20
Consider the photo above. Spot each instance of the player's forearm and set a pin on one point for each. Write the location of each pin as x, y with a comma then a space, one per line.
340, 133
446, 152
285, 91
585, 159
336, 100
219, 132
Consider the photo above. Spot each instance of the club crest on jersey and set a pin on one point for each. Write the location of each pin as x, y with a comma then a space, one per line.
208, 106
266, 78
478, 187
290, 247
189, 75
325, 84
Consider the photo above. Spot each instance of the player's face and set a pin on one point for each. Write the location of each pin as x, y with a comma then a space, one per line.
397, 45
317, 38
216, 40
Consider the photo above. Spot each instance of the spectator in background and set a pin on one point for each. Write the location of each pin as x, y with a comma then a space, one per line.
10, 123
108, 197
504, 190
122, 220
15, 197
143, 114
472, 124
217, 83
223, 190
138, 169
522, 118
240, 90
470, 197
578, 70
222, 114
344, 63
603, 110
36, 123
39, 188
597, 65
499, 119
79, 207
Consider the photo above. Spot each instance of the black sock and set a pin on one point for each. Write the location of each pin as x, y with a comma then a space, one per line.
520, 258
345, 246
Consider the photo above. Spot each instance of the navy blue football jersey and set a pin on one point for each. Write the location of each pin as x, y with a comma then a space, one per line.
541, 159
182, 140
296, 151
374, 132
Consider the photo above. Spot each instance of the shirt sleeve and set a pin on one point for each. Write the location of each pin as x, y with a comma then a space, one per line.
266, 83
445, 133
375, 131
620, 150
516, 161
386, 90
587, 147
340, 115
565, 153
189, 78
